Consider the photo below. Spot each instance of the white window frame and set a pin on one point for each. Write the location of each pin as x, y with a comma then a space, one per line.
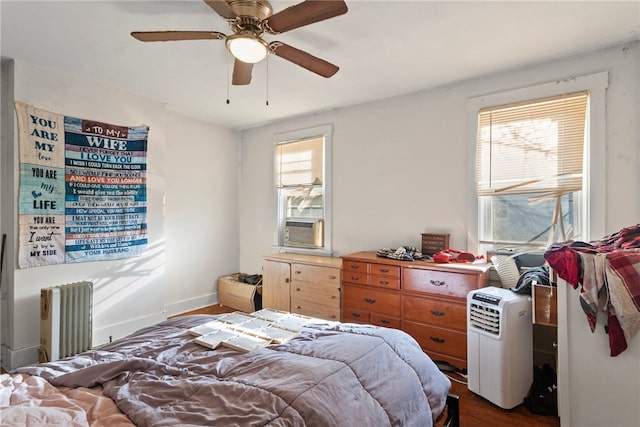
593, 188
326, 131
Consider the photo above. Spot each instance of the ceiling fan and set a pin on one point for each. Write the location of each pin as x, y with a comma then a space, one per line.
249, 20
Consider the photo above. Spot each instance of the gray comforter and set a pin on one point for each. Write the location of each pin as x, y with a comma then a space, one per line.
330, 375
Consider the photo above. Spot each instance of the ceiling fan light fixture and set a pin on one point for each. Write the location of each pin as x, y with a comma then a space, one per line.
247, 47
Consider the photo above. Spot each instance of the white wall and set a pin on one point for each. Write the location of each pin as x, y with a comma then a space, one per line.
192, 216
201, 224
403, 166
595, 389
399, 169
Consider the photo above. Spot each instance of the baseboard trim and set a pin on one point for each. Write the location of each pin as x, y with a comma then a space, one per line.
191, 304
13, 359
114, 331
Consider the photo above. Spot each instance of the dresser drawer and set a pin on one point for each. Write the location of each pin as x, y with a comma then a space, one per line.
316, 274
350, 314
435, 312
438, 282
439, 340
385, 270
387, 282
320, 294
356, 277
386, 321
369, 299
312, 309
356, 266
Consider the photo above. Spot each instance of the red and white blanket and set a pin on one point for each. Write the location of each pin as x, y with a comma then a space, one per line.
608, 274
30, 401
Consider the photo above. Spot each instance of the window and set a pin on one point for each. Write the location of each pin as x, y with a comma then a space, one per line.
529, 168
535, 166
302, 189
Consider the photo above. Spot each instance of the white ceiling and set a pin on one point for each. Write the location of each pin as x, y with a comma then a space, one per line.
383, 49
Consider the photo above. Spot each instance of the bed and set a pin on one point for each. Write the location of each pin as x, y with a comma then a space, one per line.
330, 374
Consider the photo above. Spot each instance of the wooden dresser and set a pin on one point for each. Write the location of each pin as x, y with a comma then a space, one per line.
302, 284
424, 299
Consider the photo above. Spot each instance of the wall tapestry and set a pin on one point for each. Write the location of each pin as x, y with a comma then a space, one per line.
83, 191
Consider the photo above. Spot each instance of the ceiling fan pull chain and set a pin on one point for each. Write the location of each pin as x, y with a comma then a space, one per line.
228, 62
267, 81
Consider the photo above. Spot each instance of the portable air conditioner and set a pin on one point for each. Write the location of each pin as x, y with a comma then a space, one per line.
499, 345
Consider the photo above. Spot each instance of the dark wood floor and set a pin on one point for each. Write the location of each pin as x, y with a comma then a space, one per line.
475, 411
212, 309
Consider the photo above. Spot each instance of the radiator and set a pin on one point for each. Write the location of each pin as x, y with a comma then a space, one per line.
65, 320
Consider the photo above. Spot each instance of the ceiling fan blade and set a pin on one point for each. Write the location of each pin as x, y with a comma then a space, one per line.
222, 8
164, 36
303, 59
304, 13
241, 73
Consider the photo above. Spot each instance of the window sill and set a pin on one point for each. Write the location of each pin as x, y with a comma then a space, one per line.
306, 251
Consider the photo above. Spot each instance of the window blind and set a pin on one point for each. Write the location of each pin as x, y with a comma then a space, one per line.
532, 147
299, 163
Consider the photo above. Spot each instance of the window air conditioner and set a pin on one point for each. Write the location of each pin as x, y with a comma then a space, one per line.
304, 232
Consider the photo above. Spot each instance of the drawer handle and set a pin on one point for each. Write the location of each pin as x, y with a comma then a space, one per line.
437, 339
298, 289
298, 272
332, 277
437, 282
355, 266
437, 313
355, 278
384, 270
385, 321
383, 282
355, 314
370, 300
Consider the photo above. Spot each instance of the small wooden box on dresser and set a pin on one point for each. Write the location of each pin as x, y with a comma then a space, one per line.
302, 284
424, 299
